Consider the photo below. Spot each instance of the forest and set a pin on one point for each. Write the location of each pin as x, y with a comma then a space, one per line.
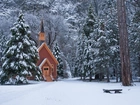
85, 33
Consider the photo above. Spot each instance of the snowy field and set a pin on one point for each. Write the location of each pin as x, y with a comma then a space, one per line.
69, 92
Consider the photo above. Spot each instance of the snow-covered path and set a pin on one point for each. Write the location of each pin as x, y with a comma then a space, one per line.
68, 92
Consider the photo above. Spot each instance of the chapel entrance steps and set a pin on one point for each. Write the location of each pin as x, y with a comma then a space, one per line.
49, 79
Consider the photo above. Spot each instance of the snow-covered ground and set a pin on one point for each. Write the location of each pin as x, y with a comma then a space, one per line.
69, 92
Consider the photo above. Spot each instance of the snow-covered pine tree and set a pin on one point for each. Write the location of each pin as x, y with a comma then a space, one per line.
78, 70
20, 56
57, 54
135, 43
88, 52
89, 24
109, 12
3, 39
102, 58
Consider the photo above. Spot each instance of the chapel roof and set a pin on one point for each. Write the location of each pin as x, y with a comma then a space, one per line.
44, 61
44, 45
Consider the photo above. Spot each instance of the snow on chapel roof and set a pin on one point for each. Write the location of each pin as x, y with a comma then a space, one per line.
43, 62
49, 51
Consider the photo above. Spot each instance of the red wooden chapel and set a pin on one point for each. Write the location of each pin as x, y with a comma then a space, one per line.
47, 62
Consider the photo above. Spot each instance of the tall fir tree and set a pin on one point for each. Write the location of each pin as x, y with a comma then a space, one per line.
109, 12
102, 57
135, 43
89, 24
88, 51
79, 70
60, 67
3, 39
20, 56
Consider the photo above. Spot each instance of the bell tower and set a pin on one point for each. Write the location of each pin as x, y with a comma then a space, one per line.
41, 34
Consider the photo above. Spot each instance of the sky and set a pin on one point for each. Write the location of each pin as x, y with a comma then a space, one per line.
69, 92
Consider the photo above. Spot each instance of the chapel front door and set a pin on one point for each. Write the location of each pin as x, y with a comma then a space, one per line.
46, 71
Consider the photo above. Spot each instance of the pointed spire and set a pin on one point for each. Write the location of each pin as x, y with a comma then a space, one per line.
41, 34
42, 27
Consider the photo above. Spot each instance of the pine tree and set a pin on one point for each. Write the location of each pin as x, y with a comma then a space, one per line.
103, 56
89, 24
60, 67
79, 70
88, 51
135, 43
20, 56
109, 13
3, 39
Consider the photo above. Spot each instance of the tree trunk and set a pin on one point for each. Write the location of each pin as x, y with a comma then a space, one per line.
139, 65
124, 52
100, 76
116, 74
84, 75
108, 79
90, 76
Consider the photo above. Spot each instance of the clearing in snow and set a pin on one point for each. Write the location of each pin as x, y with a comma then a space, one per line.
68, 92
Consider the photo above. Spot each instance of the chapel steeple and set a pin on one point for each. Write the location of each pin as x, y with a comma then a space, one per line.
42, 27
41, 34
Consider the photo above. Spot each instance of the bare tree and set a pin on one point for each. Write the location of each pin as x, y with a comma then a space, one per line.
124, 50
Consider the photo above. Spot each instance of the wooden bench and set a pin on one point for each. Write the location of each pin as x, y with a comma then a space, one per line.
115, 90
